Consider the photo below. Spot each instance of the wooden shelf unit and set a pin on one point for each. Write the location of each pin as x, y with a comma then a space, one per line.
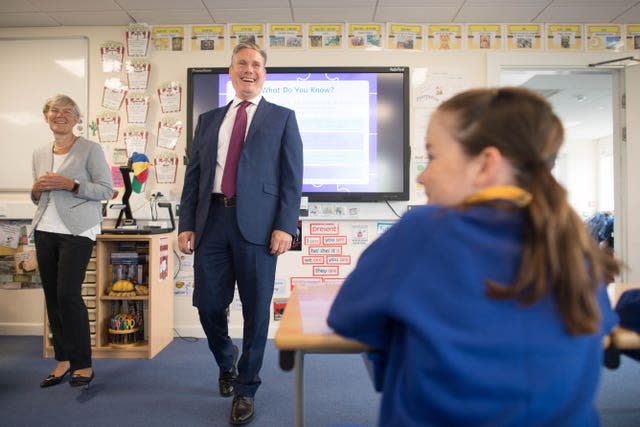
158, 311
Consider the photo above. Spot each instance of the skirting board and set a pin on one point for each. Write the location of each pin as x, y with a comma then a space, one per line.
21, 328
181, 330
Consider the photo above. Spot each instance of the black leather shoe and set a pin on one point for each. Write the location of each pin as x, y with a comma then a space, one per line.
225, 382
241, 410
53, 380
81, 381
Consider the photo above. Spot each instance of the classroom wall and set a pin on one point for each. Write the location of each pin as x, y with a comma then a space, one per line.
473, 68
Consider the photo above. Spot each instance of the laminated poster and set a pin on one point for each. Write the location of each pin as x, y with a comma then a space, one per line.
567, 37
239, 33
445, 37
207, 37
168, 38
604, 38
325, 36
285, 36
524, 36
484, 36
633, 37
365, 36
405, 37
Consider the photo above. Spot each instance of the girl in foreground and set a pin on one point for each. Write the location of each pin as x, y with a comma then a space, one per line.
487, 307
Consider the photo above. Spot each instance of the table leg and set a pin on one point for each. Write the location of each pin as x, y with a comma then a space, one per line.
299, 388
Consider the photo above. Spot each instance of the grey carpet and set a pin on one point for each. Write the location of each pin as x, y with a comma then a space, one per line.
179, 388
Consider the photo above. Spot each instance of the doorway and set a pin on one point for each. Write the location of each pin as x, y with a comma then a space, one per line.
584, 101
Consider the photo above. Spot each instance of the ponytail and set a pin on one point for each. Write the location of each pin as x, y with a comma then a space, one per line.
559, 257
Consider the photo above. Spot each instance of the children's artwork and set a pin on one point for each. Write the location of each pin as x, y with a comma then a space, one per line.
166, 166
135, 140
119, 157
137, 106
138, 36
138, 74
169, 130
111, 54
113, 94
108, 126
170, 95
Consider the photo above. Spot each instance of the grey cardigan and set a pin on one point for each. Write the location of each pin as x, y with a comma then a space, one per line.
87, 164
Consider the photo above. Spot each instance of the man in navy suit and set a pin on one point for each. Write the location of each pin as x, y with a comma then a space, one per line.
237, 238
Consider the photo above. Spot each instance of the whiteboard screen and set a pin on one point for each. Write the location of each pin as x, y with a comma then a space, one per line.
33, 70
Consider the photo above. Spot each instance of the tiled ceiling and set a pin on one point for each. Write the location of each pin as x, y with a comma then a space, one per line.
56, 13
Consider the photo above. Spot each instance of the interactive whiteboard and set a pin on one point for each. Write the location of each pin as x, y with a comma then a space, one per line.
33, 70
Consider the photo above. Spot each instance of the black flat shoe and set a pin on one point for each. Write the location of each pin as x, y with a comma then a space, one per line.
241, 410
81, 381
52, 380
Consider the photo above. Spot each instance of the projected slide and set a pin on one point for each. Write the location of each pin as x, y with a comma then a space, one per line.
337, 120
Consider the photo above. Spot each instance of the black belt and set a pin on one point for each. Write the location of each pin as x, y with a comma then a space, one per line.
220, 199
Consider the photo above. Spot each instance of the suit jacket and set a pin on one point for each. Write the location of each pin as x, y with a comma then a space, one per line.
86, 163
269, 180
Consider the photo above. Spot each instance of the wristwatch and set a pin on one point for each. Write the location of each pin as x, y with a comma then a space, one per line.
76, 186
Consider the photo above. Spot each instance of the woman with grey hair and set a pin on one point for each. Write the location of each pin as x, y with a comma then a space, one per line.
71, 178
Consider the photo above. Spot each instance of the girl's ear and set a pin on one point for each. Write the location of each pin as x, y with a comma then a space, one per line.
493, 169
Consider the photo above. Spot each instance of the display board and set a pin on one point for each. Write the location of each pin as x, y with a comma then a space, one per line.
33, 70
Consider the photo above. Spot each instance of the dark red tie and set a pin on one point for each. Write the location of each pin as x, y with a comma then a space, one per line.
235, 148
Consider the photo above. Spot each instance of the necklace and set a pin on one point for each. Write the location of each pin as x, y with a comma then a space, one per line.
62, 149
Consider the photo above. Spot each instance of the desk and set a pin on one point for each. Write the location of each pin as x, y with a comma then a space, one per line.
303, 329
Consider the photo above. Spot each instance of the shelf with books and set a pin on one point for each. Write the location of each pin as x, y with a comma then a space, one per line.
146, 261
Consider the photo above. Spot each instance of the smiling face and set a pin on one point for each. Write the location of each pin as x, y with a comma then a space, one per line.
247, 73
61, 118
450, 175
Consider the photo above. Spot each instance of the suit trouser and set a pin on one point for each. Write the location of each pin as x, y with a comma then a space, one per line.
221, 259
62, 261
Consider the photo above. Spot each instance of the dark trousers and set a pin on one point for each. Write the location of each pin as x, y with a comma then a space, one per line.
62, 261
221, 259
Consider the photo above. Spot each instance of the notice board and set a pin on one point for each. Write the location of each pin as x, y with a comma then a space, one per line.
33, 70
